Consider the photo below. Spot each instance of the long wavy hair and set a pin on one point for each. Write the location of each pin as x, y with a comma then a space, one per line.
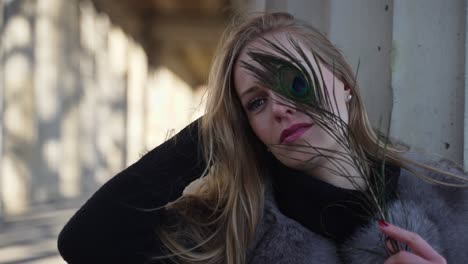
218, 220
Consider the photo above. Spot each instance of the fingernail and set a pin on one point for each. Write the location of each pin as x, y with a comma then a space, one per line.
382, 223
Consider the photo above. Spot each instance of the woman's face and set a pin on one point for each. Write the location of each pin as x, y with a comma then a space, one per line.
272, 118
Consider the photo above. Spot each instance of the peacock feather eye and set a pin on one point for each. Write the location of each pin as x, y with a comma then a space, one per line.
292, 83
299, 86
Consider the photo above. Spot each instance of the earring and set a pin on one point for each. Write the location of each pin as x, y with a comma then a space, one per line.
350, 96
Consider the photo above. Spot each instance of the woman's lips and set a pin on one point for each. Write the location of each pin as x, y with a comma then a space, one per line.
294, 132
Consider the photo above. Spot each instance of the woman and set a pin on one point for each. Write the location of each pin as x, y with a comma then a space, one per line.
293, 170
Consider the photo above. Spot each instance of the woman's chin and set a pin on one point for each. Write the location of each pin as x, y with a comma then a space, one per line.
296, 163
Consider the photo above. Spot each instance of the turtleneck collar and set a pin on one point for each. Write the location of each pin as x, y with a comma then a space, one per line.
324, 208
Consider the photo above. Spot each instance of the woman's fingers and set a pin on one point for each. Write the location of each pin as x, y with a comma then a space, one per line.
405, 257
418, 245
392, 245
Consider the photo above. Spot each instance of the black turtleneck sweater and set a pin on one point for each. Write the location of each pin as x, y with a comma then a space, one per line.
109, 227
323, 208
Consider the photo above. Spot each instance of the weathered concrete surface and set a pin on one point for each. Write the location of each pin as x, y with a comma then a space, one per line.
428, 75
32, 238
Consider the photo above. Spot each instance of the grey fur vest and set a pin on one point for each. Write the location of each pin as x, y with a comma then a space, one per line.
438, 214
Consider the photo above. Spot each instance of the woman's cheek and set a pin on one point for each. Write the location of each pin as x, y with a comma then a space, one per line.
262, 133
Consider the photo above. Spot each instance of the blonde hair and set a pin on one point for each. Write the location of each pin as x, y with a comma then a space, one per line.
219, 220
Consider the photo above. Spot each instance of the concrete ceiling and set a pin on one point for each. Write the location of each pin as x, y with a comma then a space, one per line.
179, 34
176, 7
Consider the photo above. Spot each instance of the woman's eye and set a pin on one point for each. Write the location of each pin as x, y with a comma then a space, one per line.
255, 103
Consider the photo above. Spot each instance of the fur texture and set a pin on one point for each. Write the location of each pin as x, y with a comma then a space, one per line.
438, 214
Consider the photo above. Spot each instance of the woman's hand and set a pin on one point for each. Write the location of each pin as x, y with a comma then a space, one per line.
422, 252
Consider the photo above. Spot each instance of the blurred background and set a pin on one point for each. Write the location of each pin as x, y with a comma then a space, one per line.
88, 86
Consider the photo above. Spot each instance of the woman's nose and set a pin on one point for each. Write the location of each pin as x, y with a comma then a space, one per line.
281, 107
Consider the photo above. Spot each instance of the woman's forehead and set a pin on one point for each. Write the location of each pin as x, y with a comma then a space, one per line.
282, 39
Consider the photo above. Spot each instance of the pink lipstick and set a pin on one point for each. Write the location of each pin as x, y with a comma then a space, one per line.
294, 132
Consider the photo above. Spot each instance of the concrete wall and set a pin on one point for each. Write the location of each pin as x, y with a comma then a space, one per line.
79, 102
19, 152
412, 58
428, 75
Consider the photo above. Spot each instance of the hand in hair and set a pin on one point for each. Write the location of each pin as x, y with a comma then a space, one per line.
421, 251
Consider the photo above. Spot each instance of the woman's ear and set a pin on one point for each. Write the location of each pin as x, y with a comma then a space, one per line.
347, 87
348, 96
347, 92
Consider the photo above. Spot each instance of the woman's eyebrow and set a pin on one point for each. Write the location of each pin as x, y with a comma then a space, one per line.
249, 90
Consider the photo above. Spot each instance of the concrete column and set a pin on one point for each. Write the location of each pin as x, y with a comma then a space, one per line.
111, 57
412, 57
276, 5
137, 75
87, 111
19, 131
48, 101
71, 93
168, 106
254, 6
465, 134
428, 71
362, 30
315, 12
57, 96
2, 84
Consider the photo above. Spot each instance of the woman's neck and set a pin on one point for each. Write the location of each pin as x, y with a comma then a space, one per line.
337, 172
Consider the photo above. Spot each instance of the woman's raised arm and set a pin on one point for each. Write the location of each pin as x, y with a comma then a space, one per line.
110, 227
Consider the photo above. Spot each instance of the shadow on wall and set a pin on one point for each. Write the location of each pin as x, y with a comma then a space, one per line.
80, 102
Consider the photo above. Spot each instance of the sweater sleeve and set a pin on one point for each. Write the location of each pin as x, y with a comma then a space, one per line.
111, 226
